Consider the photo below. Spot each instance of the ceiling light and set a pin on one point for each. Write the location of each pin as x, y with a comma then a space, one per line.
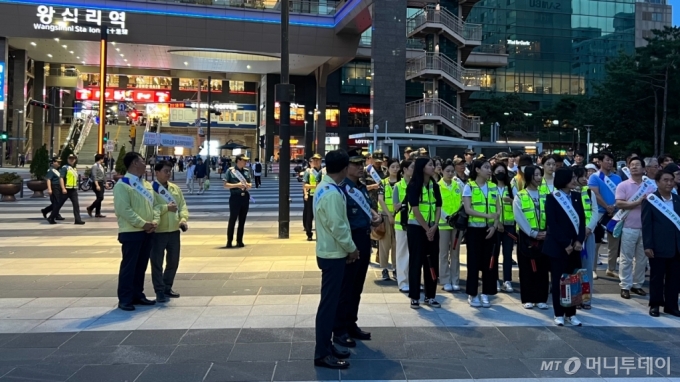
32, 43
56, 39
247, 66
49, 55
122, 55
113, 43
117, 49
83, 62
78, 57
64, 46
128, 64
125, 60
186, 63
71, 52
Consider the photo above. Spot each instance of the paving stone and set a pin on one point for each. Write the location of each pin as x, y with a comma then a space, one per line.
201, 353
241, 372
260, 352
425, 334
209, 336
435, 369
378, 350
557, 367
154, 337
23, 356
38, 340
366, 370
91, 339
433, 350
107, 373
303, 370
302, 350
175, 372
486, 368
265, 335
42, 372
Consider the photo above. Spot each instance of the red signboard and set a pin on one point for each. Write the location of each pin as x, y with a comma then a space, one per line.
150, 96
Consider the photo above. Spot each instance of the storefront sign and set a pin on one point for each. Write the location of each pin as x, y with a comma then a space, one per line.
151, 96
168, 140
79, 20
216, 106
519, 42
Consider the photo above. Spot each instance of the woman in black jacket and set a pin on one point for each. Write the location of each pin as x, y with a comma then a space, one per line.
564, 240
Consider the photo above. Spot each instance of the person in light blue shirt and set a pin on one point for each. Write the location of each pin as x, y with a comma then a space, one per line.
606, 199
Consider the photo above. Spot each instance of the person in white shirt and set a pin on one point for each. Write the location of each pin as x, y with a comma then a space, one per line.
191, 175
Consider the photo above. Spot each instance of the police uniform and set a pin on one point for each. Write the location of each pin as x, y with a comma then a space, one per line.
239, 203
70, 177
355, 273
53, 177
312, 177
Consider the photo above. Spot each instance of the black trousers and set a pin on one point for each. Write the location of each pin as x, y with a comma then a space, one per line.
136, 248
258, 181
238, 209
664, 274
72, 195
353, 284
165, 250
308, 215
332, 276
422, 254
534, 286
97, 204
479, 259
54, 201
508, 244
558, 266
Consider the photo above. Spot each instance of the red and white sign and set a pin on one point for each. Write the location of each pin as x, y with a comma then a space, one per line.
120, 95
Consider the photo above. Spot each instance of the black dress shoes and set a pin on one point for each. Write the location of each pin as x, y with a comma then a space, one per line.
331, 362
143, 301
638, 291
359, 334
240, 245
625, 294
44, 214
654, 311
672, 312
341, 354
59, 218
126, 307
51, 221
229, 245
344, 340
79, 223
172, 294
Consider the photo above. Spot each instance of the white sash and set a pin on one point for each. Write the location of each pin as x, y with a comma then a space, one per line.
652, 182
359, 198
467, 171
663, 208
565, 202
610, 184
241, 179
374, 174
566, 162
163, 192
626, 171
56, 172
316, 173
644, 189
320, 192
138, 186
323, 171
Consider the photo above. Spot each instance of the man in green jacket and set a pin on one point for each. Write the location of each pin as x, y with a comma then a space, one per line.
334, 248
171, 213
133, 202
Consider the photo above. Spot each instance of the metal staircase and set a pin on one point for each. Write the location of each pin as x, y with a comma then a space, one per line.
431, 20
88, 142
437, 111
437, 66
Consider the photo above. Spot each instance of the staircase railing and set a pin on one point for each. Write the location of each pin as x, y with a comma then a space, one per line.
83, 134
431, 14
440, 62
434, 107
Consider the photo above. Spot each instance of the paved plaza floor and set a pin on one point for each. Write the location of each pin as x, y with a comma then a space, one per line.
247, 314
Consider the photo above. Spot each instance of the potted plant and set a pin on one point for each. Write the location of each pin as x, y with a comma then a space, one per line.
120, 166
10, 184
39, 167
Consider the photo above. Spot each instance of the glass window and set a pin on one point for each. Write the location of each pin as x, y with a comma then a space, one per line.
236, 86
149, 82
356, 78
191, 84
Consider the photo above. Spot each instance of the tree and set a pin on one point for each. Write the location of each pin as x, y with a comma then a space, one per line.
509, 111
40, 163
120, 166
65, 154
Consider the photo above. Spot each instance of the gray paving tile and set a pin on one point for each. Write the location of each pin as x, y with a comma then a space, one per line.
497, 368
366, 370
433, 350
209, 336
5, 369
260, 352
281, 290
637, 333
378, 350
302, 350
652, 348
311, 289
38, 340
668, 334
248, 335
285, 275
476, 334
304, 334
5, 337
23, 356
241, 372
238, 291
303, 370
42, 372
111, 355
558, 367
435, 369
95, 338
385, 334
425, 334
194, 372
599, 348
248, 275
108, 373
540, 348
521, 333
201, 353
210, 276
154, 337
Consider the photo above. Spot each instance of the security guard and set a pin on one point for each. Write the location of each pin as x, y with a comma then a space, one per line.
238, 182
68, 182
53, 188
361, 216
310, 179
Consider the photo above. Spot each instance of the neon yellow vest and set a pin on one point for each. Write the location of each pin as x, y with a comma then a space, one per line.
452, 200
481, 204
585, 199
426, 206
544, 189
401, 186
71, 180
312, 181
529, 209
508, 216
388, 196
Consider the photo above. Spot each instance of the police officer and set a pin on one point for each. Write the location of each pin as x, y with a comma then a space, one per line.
238, 182
68, 183
361, 216
310, 179
53, 188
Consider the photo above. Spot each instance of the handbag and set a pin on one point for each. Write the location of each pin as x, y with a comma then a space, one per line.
377, 233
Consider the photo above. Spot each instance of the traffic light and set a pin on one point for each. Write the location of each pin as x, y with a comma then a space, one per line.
3, 136
262, 141
106, 137
39, 104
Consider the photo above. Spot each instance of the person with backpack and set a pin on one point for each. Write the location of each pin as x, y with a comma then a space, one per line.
257, 172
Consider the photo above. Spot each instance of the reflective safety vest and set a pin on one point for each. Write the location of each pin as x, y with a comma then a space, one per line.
508, 215
544, 189
529, 209
452, 200
587, 204
427, 207
312, 181
401, 186
388, 196
71, 180
518, 183
481, 204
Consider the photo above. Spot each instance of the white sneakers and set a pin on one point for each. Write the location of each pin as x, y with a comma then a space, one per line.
559, 321
528, 305
456, 287
474, 301
507, 287
448, 288
594, 275
542, 305
485, 301
498, 286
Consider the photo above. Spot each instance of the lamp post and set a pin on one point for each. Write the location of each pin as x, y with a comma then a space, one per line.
19, 131
588, 127
556, 123
307, 153
375, 137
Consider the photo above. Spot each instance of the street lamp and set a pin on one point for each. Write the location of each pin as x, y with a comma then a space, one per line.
409, 128
588, 127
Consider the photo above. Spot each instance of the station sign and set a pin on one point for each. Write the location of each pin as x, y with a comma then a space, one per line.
79, 20
168, 140
123, 95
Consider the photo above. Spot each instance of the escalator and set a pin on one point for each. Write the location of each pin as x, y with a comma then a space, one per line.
73, 134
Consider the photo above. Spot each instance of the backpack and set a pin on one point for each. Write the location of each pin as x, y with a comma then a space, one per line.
258, 167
